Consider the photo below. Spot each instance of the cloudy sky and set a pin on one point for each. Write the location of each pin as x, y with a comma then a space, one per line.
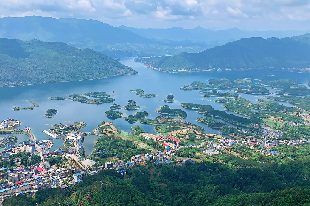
213, 14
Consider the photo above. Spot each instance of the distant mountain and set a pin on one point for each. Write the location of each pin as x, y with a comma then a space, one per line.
211, 37
91, 34
35, 62
244, 53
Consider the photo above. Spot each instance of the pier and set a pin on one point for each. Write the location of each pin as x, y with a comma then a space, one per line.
31, 136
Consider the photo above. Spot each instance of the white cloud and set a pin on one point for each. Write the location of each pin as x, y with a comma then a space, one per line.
191, 13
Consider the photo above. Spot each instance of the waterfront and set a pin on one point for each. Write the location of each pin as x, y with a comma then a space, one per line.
150, 81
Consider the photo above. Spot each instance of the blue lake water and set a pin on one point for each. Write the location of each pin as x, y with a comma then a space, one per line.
149, 80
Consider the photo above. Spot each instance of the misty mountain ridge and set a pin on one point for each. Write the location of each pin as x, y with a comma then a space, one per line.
91, 34
203, 35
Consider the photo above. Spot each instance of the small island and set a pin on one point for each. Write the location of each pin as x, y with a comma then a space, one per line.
33, 105
169, 98
166, 110
132, 105
115, 106
113, 115
140, 93
88, 98
136, 117
50, 113
61, 130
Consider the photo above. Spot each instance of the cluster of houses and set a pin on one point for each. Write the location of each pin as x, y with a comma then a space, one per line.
76, 139
27, 146
140, 159
266, 145
7, 139
9, 124
23, 180
168, 142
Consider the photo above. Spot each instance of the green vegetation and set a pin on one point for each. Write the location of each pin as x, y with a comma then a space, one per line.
169, 98
7, 140
33, 105
23, 158
115, 147
140, 93
115, 106
50, 113
137, 130
208, 110
213, 123
166, 110
61, 129
249, 53
137, 117
88, 98
301, 102
36, 62
196, 184
132, 105
245, 86
113, 115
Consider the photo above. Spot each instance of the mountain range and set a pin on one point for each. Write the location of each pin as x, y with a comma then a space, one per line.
102, 37
124, 41
208, 36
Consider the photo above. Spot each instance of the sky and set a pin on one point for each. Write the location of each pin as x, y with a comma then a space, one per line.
211, 14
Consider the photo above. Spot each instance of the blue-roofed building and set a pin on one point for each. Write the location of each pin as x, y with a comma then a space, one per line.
6, 155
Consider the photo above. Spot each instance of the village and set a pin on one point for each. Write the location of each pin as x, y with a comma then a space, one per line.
32, 165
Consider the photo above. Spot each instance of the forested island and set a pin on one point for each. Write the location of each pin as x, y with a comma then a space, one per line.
113, 115
115, 106
36, 62
140, 93
88, 98
132, 105
33, 105
50, 113
166, 110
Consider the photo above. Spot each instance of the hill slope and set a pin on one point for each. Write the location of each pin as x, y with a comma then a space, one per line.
244, 53
34, 62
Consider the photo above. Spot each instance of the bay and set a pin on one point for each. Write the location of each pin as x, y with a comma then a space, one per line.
151, 81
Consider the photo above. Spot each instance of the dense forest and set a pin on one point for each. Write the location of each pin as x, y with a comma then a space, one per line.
187, 183
35, 62
248, 53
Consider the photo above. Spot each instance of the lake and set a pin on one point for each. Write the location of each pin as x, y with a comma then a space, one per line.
149, 80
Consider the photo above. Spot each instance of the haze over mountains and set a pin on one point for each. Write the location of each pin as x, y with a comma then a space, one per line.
31, 58
92, 34
123, 41
208, 36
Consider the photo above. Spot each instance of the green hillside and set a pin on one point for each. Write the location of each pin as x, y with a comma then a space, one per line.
35, 62
186, 184
244, 53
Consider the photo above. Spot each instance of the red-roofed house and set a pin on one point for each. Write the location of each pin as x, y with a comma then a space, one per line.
175, 140
165, 144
